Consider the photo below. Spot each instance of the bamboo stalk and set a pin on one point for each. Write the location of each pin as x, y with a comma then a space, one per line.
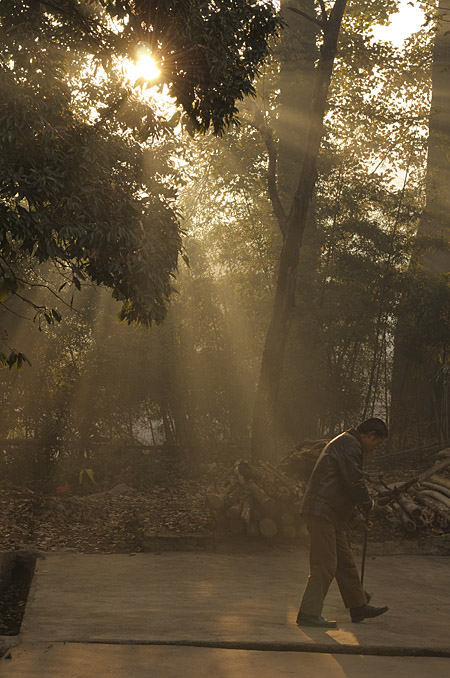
440, 480
436, 488
438, 496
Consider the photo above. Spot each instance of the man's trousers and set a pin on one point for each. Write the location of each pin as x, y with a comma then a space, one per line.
330, 556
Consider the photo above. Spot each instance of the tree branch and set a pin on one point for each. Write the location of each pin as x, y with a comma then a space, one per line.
45, 286
307, 16
323, 9
10, 310
272, 188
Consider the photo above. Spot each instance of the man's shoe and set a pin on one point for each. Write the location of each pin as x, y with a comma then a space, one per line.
366, 612
319, 622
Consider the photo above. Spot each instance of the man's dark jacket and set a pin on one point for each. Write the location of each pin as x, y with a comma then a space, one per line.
337, 484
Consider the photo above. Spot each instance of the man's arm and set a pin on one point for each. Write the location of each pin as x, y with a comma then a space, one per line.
349, 463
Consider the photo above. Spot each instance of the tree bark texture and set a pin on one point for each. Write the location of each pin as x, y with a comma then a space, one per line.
263, 439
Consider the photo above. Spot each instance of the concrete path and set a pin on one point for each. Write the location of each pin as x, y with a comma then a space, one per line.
207, 615
112, 661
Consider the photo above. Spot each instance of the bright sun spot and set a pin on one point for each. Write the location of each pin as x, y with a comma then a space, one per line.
144, 67
407, 20
156, 93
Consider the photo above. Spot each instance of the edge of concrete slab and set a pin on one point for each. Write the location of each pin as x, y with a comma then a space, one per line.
162, 542
84, 661
319, 648
222, 543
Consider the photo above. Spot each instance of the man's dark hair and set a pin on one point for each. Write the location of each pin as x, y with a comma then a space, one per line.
373, 425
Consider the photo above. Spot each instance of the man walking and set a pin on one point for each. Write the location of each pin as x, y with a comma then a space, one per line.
336, 486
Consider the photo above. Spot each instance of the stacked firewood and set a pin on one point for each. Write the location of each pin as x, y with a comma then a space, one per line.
259, 500
422, 502
266, 500
399, 510
425, 505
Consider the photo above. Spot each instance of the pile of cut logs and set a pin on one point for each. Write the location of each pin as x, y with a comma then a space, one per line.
266, 500
424, 505
259, 500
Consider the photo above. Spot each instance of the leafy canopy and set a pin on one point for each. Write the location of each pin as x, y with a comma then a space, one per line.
86, 181
209, 52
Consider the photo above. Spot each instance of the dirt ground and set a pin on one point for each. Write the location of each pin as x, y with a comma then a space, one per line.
118, 519
104, 521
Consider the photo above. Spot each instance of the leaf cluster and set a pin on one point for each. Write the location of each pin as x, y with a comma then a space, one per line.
74, 190
210, 52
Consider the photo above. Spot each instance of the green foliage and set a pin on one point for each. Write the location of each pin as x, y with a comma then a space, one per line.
76, 187
209, 52
426, 306
14, 358
193, 378
356, 259
72, 186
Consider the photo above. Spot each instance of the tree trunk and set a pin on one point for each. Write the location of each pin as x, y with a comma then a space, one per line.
263, 439
175, 410
298, 54
413, 395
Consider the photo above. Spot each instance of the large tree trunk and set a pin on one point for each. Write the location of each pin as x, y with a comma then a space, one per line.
174, 398
415, 411
298, 52
263, 439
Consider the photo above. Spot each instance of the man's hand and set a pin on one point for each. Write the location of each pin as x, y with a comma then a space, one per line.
361, 523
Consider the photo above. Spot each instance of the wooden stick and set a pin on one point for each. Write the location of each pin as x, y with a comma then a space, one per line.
437, 508
268, 504
438, 496
436, 488
400, 489
407, 521
440, 480
286, 481
246, 509
409, 506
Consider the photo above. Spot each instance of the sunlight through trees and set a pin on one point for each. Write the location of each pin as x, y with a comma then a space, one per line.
263, 192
